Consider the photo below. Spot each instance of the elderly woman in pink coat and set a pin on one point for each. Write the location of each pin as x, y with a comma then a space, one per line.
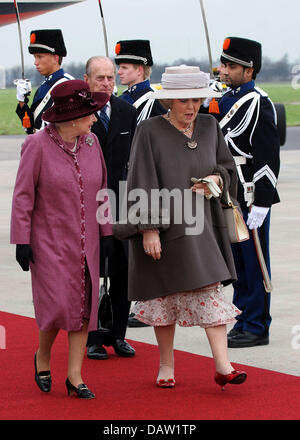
56, 226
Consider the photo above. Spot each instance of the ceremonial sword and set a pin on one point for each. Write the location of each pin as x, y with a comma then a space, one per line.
207, 38
26, 120
20, 37
104, 28
263, 267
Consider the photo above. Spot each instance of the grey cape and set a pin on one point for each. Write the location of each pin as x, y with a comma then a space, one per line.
160, 158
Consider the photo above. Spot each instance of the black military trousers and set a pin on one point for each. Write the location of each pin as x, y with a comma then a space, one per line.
249, 292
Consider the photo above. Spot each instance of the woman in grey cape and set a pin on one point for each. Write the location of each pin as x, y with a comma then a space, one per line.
179, 253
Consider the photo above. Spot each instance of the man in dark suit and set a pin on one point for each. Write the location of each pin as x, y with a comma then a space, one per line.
114, 128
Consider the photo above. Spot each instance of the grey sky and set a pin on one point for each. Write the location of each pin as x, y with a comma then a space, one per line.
174, 28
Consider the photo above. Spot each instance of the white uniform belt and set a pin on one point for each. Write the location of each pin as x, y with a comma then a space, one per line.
240, 160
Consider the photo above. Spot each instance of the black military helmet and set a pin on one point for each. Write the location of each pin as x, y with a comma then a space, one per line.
47, 41
133, 52
242, 51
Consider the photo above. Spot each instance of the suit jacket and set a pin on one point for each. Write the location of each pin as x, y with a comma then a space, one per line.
116, 144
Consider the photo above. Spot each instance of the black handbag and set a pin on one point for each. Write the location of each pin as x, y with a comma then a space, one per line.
105, 313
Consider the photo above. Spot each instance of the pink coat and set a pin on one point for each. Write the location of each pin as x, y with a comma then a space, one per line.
54, 209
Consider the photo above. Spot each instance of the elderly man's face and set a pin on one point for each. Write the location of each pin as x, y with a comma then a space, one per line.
101, 77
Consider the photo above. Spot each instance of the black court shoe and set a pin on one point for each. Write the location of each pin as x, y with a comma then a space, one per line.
43, 378
82, 390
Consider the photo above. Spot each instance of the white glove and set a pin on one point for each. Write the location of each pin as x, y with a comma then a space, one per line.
256, 216
216, 86
23, 87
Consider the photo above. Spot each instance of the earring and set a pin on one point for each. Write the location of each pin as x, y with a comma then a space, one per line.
73, 124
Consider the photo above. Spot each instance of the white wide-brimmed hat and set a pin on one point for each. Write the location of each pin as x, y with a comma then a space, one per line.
184, 82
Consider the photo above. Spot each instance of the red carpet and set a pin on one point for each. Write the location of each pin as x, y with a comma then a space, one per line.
125, 388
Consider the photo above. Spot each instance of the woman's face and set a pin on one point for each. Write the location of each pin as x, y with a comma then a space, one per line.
184, 111
83, 125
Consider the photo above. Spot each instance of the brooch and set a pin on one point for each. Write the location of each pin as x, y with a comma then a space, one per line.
89, 141
192, 144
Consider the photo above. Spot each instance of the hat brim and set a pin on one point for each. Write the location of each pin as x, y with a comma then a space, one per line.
52, 115
205, 92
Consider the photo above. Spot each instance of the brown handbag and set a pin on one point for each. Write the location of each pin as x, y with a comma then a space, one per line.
236, 226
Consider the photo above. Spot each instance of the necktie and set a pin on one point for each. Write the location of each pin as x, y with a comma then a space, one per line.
104, 118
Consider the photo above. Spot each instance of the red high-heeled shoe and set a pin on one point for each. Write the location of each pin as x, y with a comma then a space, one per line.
235, 378
169, 383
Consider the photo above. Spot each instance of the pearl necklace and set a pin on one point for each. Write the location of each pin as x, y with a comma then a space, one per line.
75, 145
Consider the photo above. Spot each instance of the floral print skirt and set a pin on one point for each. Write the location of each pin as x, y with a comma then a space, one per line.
205, 307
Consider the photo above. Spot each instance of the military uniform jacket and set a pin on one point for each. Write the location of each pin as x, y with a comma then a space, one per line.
41, 94
135, 92
250, 130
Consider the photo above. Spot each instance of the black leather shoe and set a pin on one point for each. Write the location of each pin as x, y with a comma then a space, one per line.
133, 322
43, 378
234, 332
97, 352
82, 390
247, 339
122, 348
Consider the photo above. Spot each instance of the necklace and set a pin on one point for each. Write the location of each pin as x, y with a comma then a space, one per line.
75, 145
183, 130
188, 131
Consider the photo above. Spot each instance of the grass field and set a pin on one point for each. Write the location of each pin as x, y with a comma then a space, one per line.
278, 92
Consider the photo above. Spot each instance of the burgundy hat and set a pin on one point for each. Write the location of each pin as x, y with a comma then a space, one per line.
73, 99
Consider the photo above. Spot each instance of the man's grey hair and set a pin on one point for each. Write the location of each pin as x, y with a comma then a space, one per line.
88, 66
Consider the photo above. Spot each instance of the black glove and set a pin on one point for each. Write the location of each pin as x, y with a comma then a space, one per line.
24, 255
107, 247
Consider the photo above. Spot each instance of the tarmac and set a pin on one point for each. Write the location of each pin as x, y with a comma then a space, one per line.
283, 352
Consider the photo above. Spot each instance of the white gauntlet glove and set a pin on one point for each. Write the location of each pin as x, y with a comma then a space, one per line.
256, 216
23, 87
216, 86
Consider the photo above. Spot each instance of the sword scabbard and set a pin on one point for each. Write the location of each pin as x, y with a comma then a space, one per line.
266, 278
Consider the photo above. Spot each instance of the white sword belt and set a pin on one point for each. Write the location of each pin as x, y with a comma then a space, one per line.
249, 187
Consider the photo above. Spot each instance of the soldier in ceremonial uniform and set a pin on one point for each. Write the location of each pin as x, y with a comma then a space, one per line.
248, 122
134, 59
48, 48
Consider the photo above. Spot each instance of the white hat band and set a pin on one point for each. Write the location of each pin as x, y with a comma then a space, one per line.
43, 46
185, 80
